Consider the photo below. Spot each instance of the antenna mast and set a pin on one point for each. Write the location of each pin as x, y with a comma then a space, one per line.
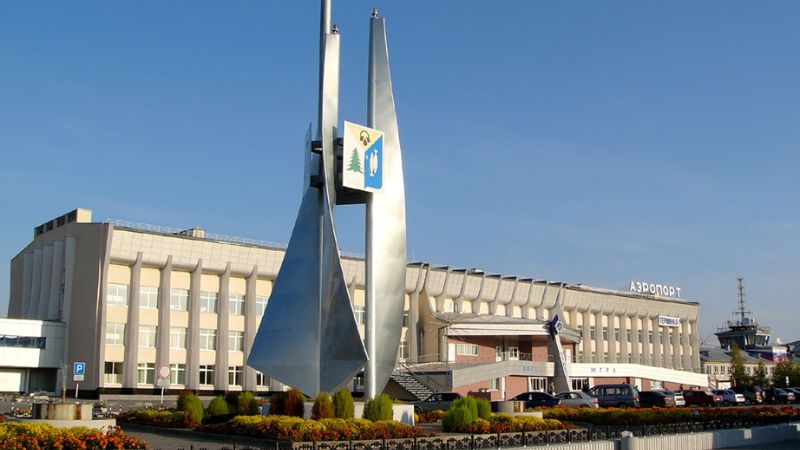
741, 310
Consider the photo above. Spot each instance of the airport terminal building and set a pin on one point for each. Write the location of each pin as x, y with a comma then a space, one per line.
134, 299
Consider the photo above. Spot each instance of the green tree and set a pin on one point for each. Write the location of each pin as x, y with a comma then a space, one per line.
323, 407
343, 406
760, 375
786, 369
379, 408
355, 162
739, 375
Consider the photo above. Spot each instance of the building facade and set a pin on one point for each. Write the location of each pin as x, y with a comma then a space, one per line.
134, 298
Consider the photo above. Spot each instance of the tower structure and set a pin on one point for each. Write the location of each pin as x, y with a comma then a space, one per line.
309, 338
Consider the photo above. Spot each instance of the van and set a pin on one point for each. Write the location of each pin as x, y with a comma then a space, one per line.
616, 395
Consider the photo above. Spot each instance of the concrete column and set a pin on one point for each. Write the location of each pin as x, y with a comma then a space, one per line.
666, 341
69, 272
27, 284
586, 337
44, 292
193, 344
624, 353
612, 339
687, 347
646, 349
656, 342
540, 306
413, 326
56, 281
164, 294
599, 342
573, 318
36, 285
250, 329
635, 352
129, 368
221, 361
676, 348
695, 343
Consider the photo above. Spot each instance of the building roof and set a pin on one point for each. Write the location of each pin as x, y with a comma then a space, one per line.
715, 354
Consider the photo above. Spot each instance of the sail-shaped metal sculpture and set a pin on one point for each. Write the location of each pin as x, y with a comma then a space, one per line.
386, 223
308, 336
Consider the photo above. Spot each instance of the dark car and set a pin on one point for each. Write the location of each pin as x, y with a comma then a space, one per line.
778, 396
537, 399
439, 400
618, 395
702, 398
656, 398
752, 395
795, 391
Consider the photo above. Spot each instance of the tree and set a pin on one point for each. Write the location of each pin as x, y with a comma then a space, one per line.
786, 369
355, 162
760, 375
739, 375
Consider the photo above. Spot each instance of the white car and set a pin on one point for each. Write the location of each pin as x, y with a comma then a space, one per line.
731, 398
577, 399
679, 400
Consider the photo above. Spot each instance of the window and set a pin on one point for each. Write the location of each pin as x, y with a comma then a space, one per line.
361, 314
405, 318
650, 336
494, 384
592, 331
112, 372
605, 333
404, 350
23, 341
261, 379
115, 333
537, 384
235, 375
628, 335
208, 302
177, 338
178, 375
639, 336
146, 373
179, 299
616, 334
467, 349
656, 384
236, 341
147, 336
261, 305
148, 297
206, 374
513, 353
117, 294
208, 339
236, 304
580, 384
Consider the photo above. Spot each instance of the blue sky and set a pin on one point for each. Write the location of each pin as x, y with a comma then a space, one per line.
586, 142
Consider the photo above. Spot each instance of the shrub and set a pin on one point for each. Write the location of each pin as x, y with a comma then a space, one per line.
484, 408
192, 406
153, 417
379, 408
277, 404
247, 405
232, 399
293, 405
461, 413
343, 407
218, 406
323, 407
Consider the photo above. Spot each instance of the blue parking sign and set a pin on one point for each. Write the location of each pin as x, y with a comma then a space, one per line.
79, 368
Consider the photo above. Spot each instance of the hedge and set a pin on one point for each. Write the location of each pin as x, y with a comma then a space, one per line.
658, 416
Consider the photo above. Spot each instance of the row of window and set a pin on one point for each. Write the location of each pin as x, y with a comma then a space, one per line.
179, 299
148, 337
23, 341
360, 311
146, 373
723, 369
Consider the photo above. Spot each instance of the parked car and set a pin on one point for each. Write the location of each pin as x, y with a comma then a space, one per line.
796, 392
439, 400
752, 395
655, 398
619, 395
702, 398
778, 396
535, 399
577, 399
677, 398
730, 398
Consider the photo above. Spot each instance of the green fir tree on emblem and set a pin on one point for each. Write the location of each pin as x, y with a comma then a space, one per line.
355, 162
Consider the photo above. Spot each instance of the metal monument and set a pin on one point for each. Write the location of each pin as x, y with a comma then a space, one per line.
308, 337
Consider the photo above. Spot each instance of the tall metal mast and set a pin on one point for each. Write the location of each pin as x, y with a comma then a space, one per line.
742, 312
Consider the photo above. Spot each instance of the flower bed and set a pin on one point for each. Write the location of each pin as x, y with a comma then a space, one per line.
44, 436
168, 418
295, 429
503, 423
430, 417
661, 416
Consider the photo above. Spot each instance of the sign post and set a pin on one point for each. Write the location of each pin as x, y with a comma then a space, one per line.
164, 372
78, 374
